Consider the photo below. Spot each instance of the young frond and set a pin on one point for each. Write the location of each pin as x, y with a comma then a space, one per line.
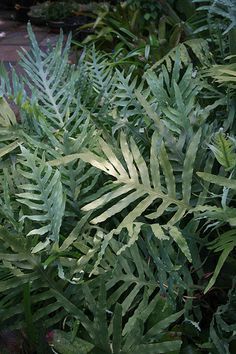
224, 150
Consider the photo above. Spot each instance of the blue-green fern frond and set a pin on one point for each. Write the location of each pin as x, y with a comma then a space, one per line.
43, 195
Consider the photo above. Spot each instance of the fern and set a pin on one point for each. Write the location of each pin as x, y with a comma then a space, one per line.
43, 195
19, 267
219, 22
100, 74
225, 9
223, 149
197, 46
176, 97
53, 82
223, 322
135, 185
111, 339
105, 191
225, 243
224, 74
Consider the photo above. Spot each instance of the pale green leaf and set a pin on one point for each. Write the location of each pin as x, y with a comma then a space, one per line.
189, 160
181, 242
221, 181
7, 116
6, 149
158, 232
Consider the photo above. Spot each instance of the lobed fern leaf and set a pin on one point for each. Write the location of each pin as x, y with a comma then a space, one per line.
135, 179
140, 187
43, 195
174, 96
50, 80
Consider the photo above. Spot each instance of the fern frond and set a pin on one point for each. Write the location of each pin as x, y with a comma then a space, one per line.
50, 80
12, 86
7, 116
199, 48
225, 244
140, 187
110, 337
124, 100
10, 130
224, 9
175, 97
19, 267
100, 73
43, 195
224, 150
219, 180
224, 74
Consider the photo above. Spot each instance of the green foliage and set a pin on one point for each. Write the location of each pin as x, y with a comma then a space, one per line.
116, 338
127, 31
218, 20
225, 242
43, 195
112, 209
149, 8
223, 325
222, 9
135, 186
223, 149
224, 74
59, 10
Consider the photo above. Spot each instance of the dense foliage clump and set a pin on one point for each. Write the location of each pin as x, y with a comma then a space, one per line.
117, 197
